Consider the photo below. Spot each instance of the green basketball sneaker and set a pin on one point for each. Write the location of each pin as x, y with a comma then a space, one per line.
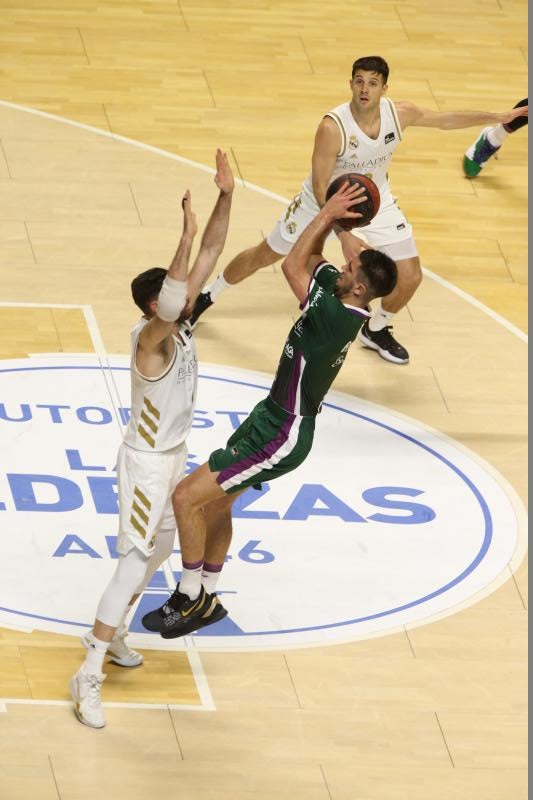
478, 154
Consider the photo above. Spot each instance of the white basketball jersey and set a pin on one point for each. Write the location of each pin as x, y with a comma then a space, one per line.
359, 153
162, 408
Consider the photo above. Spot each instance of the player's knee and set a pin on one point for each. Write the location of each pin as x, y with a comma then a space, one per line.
417, 276
130, 572
409, 273
263, 255
181, 500
178, 497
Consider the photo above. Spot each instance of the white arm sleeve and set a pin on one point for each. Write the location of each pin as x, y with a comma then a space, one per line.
172, 299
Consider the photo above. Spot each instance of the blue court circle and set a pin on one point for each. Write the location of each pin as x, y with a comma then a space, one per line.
487, 537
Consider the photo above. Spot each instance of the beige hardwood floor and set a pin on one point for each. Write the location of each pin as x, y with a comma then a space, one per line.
435, 711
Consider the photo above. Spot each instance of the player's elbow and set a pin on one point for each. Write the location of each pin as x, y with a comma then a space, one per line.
287, 266
171, 299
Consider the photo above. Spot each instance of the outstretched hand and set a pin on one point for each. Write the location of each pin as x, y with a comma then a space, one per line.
224, 176
508, 116
339, 204
190, 226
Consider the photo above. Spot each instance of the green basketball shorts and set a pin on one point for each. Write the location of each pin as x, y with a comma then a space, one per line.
268, 444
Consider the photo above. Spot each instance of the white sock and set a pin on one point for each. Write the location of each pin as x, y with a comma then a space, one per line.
218, 286
94, 660
380, 319
210, 577
191, 580
497, 135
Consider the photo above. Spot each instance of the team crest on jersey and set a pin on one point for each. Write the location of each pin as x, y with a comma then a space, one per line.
291, 227
353, 142
289, 350
390, 137
340, 359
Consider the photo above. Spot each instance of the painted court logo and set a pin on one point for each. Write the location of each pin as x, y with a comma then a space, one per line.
400, 523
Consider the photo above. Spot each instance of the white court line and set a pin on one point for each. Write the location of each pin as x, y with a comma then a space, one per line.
477, 303
259, 189
100, 350
193, 656
195, 662
40, 305
7, 701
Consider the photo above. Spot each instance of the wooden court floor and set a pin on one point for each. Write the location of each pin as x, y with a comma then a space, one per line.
433, 711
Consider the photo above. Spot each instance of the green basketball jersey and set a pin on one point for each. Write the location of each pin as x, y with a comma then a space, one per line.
316, 346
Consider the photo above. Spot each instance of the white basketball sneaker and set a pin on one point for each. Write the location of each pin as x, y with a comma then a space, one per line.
85, 691
118, 651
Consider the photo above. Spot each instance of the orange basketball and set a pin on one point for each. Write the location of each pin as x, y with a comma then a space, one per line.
368, 209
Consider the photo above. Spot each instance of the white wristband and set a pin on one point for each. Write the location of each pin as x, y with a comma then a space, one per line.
172, 299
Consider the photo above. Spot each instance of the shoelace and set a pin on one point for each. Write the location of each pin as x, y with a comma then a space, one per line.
168, 608
394, 345
119, 645
94, 691
485, 150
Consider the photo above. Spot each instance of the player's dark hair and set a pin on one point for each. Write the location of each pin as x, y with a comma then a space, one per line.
372, 64
380, 272
146, 287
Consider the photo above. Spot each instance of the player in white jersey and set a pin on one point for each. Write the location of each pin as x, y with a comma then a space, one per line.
152, 457
358, 136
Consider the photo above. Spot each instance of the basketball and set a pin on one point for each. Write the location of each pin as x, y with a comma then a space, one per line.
368, 209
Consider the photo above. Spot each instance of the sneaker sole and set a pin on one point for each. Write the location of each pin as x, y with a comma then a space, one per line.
72, 687
120, 662
196, 624
157, 624
383, 353
470, 168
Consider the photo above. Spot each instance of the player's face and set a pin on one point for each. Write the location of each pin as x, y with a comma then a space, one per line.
367, 89
350, 279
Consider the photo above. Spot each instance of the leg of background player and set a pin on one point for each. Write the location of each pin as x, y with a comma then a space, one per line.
244, 264
489, 142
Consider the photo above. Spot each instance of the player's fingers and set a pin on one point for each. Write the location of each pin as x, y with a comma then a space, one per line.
362, 198
353, 190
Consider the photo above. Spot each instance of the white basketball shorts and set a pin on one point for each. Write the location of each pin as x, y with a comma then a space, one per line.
145, 485
389, 231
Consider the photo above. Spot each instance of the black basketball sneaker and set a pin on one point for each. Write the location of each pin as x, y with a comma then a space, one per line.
214, 613
384, 342
178, 611
203, 301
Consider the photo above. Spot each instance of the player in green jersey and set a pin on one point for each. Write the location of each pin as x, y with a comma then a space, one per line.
278, 434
